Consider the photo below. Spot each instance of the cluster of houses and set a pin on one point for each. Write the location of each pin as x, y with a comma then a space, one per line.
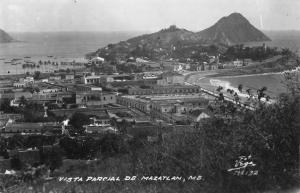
156, 98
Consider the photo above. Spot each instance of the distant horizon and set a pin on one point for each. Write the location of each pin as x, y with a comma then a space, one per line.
142, 15
128, 31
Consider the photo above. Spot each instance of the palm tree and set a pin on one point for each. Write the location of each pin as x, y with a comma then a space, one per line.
219, 88
261, 92
248, 91
240, 87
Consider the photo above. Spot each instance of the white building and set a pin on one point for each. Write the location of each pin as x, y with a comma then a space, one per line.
238, 63
92, 79
97, 59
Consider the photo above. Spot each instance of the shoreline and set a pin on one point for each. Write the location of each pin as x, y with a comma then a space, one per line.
211, 81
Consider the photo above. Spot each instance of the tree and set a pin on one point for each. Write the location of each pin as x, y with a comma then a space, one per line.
78, 120
6, 108
261, 93
240, 87
112, 144
16, 164
52, 158
36, 75
23, 101
219, 88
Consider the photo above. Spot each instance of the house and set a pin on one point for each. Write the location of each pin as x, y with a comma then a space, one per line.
19, 84
6, 83
247, 62
92, 79
97, 60
171, 66
202, 116
205, 66
6, 94
177, 67
186, 66
55, 77
158, 90
24, 82
4, 118
45, 87
95, 98
238, 63
228, 65
87, 88
169, 78
213, 66
20, 127
140, 60
101, 124
19, 94
195, 67
99, 129
28, 127
69, 76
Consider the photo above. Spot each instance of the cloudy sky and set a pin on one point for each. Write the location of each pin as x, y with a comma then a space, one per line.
142, 15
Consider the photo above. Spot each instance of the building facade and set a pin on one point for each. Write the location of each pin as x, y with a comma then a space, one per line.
95, 98
171, 89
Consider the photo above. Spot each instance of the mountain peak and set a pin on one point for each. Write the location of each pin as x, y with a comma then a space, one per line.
236, 14
233, 19
232, 29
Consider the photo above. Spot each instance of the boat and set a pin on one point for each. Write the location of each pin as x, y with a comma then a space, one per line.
27, 57
15, 59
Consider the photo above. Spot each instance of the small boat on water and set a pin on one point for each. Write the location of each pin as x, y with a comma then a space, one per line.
27, 57
7, 62
15, 59
2, 58
49, 56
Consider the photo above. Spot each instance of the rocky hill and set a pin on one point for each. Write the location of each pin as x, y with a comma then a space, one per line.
5, 37
232, 29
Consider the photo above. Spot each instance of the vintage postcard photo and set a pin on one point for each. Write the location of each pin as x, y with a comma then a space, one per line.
148, 96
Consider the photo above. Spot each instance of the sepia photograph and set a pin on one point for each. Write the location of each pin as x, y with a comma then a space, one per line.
149, 96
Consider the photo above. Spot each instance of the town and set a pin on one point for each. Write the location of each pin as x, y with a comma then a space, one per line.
153, 108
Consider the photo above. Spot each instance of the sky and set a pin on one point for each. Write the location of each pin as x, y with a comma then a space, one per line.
142, 15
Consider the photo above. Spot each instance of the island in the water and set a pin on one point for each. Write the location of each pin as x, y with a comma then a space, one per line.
5, 37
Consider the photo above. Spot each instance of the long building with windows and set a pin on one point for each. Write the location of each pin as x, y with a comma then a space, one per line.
95, 98
170, 89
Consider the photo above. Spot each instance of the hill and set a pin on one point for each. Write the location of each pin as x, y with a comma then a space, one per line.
232, 29
5, 37
179, 43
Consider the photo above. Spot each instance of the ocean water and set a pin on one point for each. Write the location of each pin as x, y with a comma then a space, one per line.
281, 39
69, 46
63, 46
273, 81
